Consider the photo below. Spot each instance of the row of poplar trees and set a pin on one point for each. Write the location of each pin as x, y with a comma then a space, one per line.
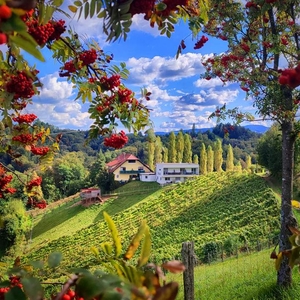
179, 150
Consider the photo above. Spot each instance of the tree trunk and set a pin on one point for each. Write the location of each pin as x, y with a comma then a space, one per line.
284, 275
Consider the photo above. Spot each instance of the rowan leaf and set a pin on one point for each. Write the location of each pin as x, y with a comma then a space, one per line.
174, 266
135, 242
167, 292
278, 261
73, 9
146, 248
294, 258
114, 233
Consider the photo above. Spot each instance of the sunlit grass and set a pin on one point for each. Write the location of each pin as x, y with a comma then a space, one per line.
248, 277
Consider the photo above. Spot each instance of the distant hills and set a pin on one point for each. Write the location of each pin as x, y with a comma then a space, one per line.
254, 128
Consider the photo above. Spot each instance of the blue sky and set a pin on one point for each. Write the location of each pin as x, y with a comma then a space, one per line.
179, 97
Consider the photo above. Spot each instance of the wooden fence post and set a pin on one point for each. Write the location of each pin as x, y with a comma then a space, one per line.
188, 259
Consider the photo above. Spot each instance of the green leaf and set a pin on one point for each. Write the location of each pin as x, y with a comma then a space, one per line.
26, 42
89, 287
78, 3
161, 6
146, 248
14, 23
54, 259
86, 9
73, 9
106, 247
58, 3
135, 242
92, 8
15, 293
102, 14
32, 288
114, 234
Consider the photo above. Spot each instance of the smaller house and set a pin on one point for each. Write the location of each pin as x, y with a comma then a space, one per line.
127, 166
90, 194
148, 177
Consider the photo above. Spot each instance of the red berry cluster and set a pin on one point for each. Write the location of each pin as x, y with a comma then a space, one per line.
59, 29
14, 281
116, 140
41, 33
34, 182
290, 77
111, 82
41, 204
70, 67
28, 118
4, 181
70, 295
201, 42
24, 138
141, 7
125, 95
88, 57
39, 150
21, 85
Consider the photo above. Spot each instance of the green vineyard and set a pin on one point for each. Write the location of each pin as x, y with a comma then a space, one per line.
207, 209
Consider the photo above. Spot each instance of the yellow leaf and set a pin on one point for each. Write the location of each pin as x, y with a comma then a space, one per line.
146, 248
295, 204
278, 261
294, 258
95, 251
72, 8
114, 233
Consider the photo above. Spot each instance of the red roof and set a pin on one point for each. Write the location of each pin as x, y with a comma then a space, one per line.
122, 158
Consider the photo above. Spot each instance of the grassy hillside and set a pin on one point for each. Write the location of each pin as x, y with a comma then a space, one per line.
209, 208
71, 217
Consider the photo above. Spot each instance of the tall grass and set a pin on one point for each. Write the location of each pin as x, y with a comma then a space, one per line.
248, 277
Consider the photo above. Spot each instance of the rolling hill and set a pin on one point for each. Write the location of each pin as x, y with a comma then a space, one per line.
207, 209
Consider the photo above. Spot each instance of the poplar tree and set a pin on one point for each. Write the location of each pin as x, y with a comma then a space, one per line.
165, 158
203, 160
229, 159
187, 151
158, 150
151, 147
195, 159
179, 146
218, 156
210, 159
172, 148
248, 163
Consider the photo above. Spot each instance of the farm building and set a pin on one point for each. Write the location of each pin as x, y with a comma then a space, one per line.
127, 166
90, 194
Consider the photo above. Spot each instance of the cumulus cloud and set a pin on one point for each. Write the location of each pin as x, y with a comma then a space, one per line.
54, 89
163, 69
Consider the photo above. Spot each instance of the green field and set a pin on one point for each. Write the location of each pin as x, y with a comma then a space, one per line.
208, 209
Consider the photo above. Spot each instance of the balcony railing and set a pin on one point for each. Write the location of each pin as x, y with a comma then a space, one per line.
180, 173
132, 171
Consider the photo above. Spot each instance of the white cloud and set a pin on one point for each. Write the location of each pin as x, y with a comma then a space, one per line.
140, 24
163, 69
54, 89
214, 82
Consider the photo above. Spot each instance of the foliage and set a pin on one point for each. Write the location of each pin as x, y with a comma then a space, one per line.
15, 224
118, 279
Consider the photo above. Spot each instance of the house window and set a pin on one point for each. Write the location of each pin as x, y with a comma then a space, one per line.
167, 178
146, 177
141, 168
117, 176
131, 161
123, 168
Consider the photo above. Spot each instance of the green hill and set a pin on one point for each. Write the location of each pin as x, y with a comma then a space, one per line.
207, 209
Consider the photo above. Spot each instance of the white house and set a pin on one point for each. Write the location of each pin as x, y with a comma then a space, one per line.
171, 173
175, 172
